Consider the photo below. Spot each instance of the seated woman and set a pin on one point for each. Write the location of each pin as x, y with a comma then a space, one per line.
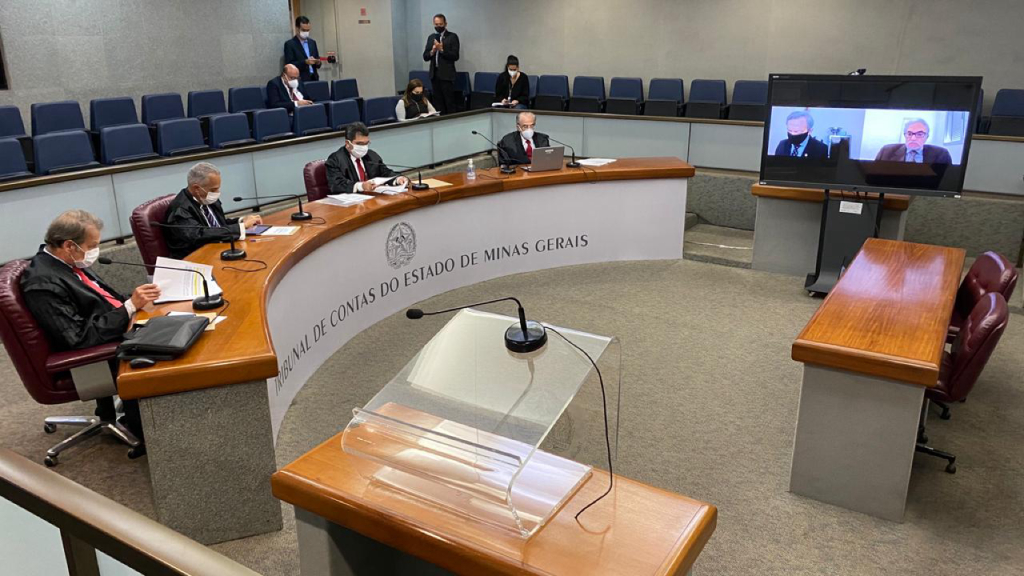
512, 88
414, 103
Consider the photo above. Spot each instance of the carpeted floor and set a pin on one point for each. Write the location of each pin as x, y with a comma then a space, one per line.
708, 410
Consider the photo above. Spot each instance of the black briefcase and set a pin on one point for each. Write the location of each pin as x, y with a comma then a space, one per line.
163, 337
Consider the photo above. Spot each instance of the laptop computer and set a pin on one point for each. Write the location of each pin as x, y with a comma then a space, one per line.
544, 159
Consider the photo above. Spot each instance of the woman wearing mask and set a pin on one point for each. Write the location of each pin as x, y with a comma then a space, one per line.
513, 87
414, 104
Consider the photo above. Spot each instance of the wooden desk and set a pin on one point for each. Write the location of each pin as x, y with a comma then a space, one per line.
636, 530
869, 352
222, 403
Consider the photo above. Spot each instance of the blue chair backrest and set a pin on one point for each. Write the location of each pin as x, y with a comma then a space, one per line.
268, 123
318, 91
245, 99
157, 107
341, 113
124, 142
589, 86
178, 134
462, 82
707, 91
423, 76
665, 89
632, 88
206, 103
553, 85
1009, 102
309, 118
12, 159
534, 82
50, 117
228, 128
11, 123
344, 88
485, 81
378, 109
58, 149
749, 92
105, 112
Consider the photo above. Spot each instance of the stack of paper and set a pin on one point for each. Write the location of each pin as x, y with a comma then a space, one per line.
345, 199
280, 231
180, 284
596, 161
390, 190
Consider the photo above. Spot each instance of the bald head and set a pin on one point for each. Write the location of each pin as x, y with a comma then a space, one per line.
290, 72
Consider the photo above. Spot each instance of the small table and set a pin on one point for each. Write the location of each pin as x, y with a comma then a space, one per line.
349, 525
869, 352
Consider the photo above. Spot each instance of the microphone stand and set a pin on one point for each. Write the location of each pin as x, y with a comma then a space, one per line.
508, 168
418, 185
573, 163
522, 337
204, 302
300, 215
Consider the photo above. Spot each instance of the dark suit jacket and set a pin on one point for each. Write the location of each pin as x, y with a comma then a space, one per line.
294, 54
511, 147
446, 70
898, 153
184, 210
342, 174
520, 90
278, 97
72, 315
815, 149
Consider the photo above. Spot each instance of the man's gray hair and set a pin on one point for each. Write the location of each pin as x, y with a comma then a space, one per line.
910, 121
519, 117
200, 172
71, 225
802, 114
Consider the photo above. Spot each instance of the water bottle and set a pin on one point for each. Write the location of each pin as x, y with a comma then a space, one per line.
470, 171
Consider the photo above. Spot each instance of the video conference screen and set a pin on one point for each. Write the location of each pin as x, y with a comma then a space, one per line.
905, 134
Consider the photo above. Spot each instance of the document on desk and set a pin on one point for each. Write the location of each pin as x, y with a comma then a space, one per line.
178, 285
382, 188
435, 183
280, 231
345, 199
595, 162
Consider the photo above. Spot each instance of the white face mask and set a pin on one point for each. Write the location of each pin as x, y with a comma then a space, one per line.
211, 197
513, 73
304, 35
360, 150
89, 259
528, 133
293, 83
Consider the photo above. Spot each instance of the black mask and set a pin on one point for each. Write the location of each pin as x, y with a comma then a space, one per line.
438, 29
417, 96
797, 139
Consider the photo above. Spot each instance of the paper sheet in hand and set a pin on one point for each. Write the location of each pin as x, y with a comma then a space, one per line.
179, 285
345, 199
382, 189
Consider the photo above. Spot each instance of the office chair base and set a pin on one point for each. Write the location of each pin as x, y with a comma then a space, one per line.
90, 426
950, 468
945, 409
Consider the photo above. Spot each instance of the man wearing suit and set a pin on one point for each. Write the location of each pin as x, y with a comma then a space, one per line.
352, 167
198, 210
799, 143
74, 307
283, 91
915, 150
300, 51
517, 147
442, 52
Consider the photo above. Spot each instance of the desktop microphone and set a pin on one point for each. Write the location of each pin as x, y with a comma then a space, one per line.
524, 336
300, 215
573, 163
419, 174
204, 302
232, 253
508, 168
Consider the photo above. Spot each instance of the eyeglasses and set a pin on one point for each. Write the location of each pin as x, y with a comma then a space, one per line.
917, 134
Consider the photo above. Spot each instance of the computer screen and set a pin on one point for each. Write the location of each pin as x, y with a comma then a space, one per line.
905, 134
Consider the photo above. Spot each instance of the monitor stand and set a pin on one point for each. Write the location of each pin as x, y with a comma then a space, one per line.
846, 222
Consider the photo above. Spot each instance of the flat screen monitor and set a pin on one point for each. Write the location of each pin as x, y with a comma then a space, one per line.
901, 134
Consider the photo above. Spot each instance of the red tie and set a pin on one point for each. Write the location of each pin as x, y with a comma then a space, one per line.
529, 151
362, 173
97, 288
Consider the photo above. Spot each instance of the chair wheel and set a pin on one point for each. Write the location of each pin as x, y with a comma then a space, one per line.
951, 468
50, 461
922, 438
49, 428
945, 415
136, 452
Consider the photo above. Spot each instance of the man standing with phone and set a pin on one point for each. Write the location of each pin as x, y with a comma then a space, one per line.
300, 51
442, 52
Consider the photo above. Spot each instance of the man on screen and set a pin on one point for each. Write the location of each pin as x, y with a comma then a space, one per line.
916, 132
799, 143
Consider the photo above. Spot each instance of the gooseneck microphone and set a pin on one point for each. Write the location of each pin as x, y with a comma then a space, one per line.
418, 185
573, 163
300, 215
524, 336
204, 302
232, 253
508, 167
